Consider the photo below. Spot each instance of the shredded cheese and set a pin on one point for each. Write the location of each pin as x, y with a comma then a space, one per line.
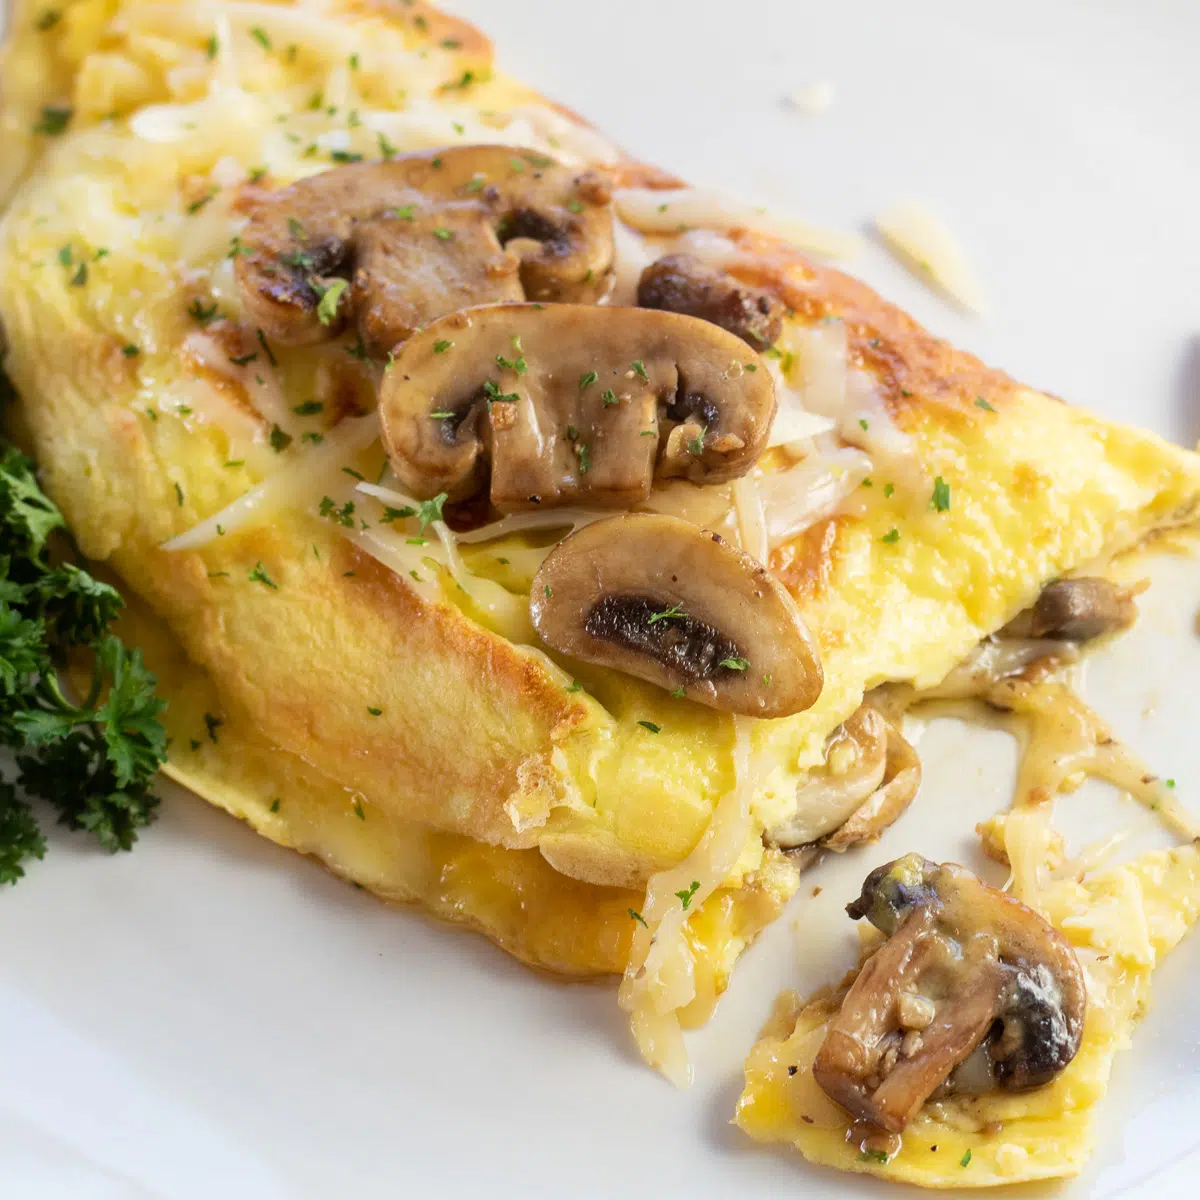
663, 212
291, 484
257, 379
800, 496
923, 243
660, 975
751, 519
812, 99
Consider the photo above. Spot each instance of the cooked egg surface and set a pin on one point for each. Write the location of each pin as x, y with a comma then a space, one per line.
513, 896
1121, 921
152, 406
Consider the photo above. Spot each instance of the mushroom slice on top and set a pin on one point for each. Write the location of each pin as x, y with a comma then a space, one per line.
869, 777
571, 403
682, 283
675, 604
399, 243
1075, 610
971, 991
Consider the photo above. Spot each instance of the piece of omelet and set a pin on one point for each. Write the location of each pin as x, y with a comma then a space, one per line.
417, 736
1121, 921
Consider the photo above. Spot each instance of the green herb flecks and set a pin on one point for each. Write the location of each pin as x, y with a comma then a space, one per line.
330, 297
940, 501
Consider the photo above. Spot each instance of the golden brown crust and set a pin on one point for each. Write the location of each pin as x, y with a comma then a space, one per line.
912, 366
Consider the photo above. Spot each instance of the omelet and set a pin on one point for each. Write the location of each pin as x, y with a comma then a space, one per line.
361, 677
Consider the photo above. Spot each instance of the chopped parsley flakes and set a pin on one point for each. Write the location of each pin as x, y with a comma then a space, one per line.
686, 894
54, 120
941, 495
650, 725
668, 614
330, 297
259, 575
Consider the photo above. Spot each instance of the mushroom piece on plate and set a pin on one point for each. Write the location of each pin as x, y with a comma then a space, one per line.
666, 601
571, 403
394, 245
971, 991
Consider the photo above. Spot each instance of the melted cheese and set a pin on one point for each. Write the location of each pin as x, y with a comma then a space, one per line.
1121, 921
659, 977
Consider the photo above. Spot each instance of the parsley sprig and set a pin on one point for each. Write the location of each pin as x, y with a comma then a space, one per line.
93, 760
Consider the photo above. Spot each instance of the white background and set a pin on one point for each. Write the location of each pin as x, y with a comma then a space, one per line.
214, 1017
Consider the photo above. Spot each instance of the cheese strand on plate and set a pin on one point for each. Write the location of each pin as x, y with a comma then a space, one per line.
660, 975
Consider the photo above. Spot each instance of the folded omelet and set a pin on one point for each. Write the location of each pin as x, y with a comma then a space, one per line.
208, 352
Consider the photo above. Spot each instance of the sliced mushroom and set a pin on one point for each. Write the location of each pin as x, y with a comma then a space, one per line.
1075, 610
666, 601
403, 242
971, 991
869, 777
683, 283
571, 403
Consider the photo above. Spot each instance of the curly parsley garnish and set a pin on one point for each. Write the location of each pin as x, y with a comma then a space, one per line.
93, 761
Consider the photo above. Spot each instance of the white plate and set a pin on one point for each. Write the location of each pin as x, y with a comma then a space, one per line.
214, 1017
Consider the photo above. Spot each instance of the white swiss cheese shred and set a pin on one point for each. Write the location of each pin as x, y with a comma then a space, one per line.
660, 975
290, 486
923, 243
655, 211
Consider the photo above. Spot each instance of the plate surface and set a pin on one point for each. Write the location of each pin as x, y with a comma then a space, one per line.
215, 1017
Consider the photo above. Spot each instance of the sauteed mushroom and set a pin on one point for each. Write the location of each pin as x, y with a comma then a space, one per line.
397, 244
664, 600
971, 991
870, 776
1075, 610
682, 283
571, 403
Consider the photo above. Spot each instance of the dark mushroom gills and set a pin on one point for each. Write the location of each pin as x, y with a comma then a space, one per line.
663, 600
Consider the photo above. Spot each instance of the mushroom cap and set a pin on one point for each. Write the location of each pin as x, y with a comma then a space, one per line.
668, 602
420, 236
1076, 610
683, 283
571, 403
1006, 989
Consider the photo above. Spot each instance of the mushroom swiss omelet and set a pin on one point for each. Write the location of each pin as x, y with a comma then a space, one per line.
525, 536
